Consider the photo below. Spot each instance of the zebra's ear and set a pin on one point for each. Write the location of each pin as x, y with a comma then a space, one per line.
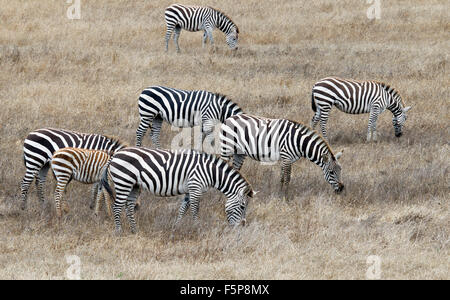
252, 193
407, 108
339, 154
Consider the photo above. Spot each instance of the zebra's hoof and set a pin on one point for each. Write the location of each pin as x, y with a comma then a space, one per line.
23, 206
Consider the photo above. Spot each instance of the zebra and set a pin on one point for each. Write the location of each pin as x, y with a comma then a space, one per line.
168, 173
182, 109
271, 140
83, 165
357, 97
40, 145
196, 18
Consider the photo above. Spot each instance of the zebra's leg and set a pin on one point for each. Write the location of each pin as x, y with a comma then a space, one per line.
97, 198
61, 183
286, 167
94, 194
209, 32
207, 136
168, 34
142, 129
176, 36
183, 208
40, 181
25, 186
119, 203
130, 208
324, 112
205, 36
156, 130
372, 128
108, 203
315, 119
238, 160
194, 196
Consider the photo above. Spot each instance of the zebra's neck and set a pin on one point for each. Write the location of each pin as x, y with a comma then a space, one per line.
393, 100
309, 144
226, 108
224, 23
226, 179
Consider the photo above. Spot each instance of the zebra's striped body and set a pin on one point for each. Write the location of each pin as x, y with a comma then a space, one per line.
168, 173
40, 145
357, 97
83, 165
182, 109
196, 18
271, 140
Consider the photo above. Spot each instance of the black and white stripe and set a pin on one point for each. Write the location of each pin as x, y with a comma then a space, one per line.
196, 18
182, 109
357, 97
83, 165
40, 145
270, 140
168, 173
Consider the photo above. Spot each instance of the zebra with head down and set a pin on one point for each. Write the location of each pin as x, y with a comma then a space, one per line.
196, 18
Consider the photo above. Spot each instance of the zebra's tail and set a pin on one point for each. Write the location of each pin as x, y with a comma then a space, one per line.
104, 181
313, 103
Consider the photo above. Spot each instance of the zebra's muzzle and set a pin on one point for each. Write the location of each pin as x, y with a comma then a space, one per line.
339, 189
398, 134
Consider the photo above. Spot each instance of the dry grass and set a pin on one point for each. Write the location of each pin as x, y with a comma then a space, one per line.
86, 75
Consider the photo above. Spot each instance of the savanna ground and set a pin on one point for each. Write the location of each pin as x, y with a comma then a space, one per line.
86, 75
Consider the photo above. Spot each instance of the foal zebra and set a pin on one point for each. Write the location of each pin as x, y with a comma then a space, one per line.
182, 109
196, 18
86, 166
357, 97
168, 173
270, 140
40, 145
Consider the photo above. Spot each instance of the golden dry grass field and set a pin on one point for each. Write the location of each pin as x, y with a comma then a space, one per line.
86, 75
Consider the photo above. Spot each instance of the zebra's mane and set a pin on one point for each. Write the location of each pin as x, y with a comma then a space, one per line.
315, 132
217, 160
116, 140
391, 91
227, 17
222, 97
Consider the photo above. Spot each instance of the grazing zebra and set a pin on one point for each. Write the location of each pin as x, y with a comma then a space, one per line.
168, 173
270, 140
196, 18
83, 165
40, 145
357, 97
182, 109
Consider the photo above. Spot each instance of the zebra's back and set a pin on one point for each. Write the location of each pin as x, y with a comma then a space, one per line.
162, 172
40, 144
259, 138
178, 107
348, 95
190, 18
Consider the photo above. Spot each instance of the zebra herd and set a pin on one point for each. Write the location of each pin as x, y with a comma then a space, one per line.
119, 171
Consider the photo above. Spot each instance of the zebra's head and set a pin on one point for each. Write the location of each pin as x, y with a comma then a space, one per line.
236, 205
399, 120
332, 171
232, 38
